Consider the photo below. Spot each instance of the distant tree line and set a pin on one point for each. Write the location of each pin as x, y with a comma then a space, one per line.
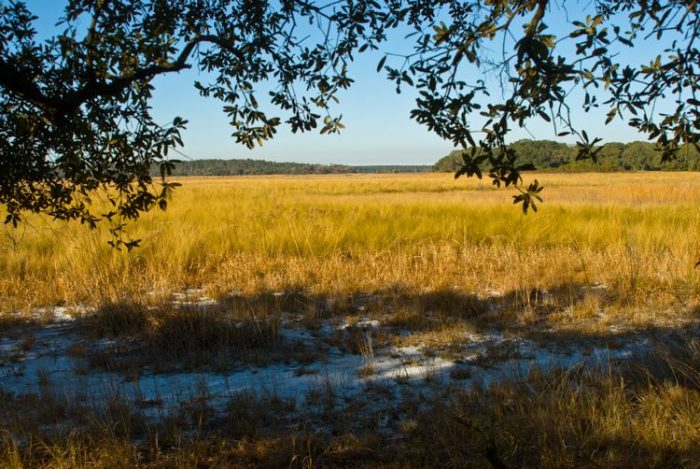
240, 167
546, 154
542, 154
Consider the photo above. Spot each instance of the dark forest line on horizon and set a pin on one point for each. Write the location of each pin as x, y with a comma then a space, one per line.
542, 154
247, 167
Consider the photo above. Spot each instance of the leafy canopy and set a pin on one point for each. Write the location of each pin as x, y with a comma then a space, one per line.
76, 122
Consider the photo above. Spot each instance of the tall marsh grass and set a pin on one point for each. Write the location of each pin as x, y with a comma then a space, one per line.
637, 234
619, 246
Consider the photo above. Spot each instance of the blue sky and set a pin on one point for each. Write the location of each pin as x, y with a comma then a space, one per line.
378, 128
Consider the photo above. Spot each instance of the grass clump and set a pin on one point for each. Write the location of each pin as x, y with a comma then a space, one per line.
120, 319
248, 415
196, 333
168, 336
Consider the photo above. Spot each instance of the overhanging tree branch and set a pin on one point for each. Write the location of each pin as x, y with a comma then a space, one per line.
77, 108
22, 86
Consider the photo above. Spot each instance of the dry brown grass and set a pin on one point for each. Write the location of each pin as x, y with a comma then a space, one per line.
647, 414
176, 336
421, 253
340, 236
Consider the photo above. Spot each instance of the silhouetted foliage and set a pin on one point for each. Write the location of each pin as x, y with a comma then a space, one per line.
75, 106
76, 120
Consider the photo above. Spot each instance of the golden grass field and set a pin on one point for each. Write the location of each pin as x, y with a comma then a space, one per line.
637, 234
607, 259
